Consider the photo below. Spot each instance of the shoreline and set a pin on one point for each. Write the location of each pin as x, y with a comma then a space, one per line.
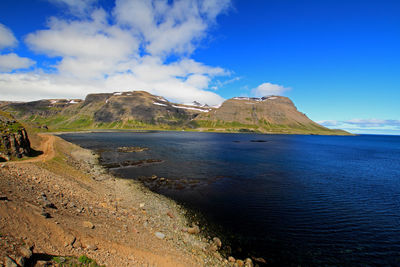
198, 130
191, 214
157, 226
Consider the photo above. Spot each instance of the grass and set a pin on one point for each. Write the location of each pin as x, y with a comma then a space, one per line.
85, 122
9, 128
266, 127
75, 262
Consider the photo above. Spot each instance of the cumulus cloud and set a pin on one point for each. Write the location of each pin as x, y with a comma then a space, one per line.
7, 38
269, 89
89, 49
128, 48
364, 125
10, 62
169, 28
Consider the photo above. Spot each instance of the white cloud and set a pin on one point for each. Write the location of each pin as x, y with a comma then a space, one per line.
7, 38
377, 126
169, 28
22, 86
269, 89
10, 62
126, 49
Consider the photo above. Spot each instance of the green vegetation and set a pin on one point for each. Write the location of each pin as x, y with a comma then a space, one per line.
85, 260
75, 262
266, 127
97, 115
8, 127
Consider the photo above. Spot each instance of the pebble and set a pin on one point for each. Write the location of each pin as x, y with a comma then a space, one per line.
25, 252
248, 262
70, 240
50, 205
231, 259
239, 263
213, 247
160, 235
88, 224
41, 264
193, 230
260, 260
217, 242
46, 215
91, 246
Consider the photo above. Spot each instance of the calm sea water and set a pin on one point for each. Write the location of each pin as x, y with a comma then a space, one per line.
291, 199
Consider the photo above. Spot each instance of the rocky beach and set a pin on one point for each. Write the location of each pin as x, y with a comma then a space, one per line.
62, 208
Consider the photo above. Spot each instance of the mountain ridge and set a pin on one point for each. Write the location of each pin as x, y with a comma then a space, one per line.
142, 110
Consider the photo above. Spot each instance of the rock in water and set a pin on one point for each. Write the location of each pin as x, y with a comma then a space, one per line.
217, 242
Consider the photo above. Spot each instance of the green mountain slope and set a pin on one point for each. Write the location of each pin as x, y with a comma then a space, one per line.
141, 110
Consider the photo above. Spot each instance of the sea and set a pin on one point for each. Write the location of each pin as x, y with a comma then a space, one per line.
292, 200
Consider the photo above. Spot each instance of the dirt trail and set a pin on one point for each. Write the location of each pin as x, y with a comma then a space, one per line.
46, 147
50, 202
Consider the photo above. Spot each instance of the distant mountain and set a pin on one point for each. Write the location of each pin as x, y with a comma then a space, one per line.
142, 110
275, 114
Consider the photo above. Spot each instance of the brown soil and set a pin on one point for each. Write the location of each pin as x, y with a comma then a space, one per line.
66, 182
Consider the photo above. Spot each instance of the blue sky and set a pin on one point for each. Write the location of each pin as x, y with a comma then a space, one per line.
339, 61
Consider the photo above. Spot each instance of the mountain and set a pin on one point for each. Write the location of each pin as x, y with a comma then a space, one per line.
272, 114
142, 110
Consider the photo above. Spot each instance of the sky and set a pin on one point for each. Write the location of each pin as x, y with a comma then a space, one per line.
339, 61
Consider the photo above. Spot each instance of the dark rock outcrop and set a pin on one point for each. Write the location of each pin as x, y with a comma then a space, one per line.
14, 141
15, 145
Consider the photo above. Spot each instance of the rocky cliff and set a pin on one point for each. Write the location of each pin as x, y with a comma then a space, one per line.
14, 141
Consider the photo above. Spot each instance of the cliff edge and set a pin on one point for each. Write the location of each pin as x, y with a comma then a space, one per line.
14, 141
